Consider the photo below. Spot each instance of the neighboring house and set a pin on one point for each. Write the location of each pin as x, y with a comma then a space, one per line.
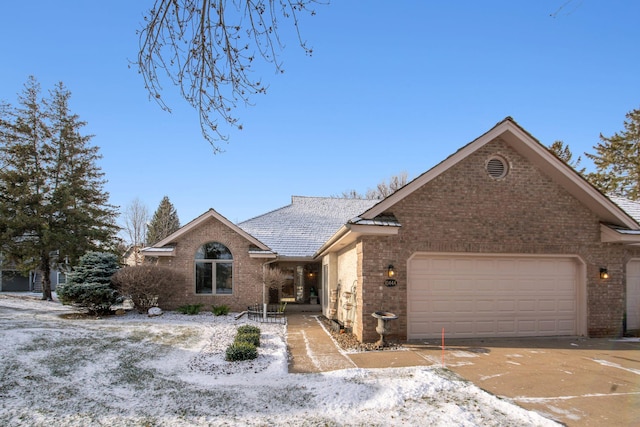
132, 256
501, 239
12, 280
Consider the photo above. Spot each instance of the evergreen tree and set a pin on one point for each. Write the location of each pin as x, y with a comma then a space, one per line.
164, 222
617, 160
89, 284
563, 152
52, 205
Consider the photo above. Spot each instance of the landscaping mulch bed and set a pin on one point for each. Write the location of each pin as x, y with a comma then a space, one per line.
348, 341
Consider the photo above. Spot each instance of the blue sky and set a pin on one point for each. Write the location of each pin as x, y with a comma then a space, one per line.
391, 87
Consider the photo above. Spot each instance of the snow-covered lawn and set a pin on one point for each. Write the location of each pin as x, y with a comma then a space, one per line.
133, 370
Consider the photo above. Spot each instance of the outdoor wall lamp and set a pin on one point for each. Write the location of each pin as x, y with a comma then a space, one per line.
604, 273
390, 271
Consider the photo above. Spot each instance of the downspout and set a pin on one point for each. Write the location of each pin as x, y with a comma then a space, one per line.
264, 289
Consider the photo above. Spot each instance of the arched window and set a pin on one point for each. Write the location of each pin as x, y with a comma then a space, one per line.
214, 269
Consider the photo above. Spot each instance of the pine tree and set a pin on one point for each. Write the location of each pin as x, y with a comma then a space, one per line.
89, 284
563, 152
164, 222
617, 160
52, 205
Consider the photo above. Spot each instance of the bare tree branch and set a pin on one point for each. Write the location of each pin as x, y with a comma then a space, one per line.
135, 218
208, 48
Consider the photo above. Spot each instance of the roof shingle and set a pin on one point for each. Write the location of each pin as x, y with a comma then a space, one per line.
299, 229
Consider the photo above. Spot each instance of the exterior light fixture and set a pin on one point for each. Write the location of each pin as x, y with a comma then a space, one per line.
604, 273
390, 271
390, 281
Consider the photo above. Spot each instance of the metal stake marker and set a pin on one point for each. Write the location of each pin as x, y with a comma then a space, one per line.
443, 348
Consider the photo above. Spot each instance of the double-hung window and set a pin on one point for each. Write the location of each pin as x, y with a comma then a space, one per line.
214, 269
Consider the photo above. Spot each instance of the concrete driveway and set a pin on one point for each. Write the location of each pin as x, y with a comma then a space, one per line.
579, 382
575, 381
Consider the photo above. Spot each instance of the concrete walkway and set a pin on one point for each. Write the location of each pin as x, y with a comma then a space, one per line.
311, 349
576, 381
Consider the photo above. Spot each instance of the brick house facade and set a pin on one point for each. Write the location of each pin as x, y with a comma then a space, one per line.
500, 239
540, 211
248, 256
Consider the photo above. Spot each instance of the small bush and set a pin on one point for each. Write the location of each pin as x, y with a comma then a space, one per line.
248, 329
250, 337
240, 350
190, 309
220, 310
147, 285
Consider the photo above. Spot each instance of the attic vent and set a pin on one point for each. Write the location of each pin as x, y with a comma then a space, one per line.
497, 167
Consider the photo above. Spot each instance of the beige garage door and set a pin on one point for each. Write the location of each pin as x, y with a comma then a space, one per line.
633, 295
491, 296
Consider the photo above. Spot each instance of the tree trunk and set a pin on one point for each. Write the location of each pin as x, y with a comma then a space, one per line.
45, 268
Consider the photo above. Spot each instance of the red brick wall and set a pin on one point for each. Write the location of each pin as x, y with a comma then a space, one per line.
465, 210
247, 272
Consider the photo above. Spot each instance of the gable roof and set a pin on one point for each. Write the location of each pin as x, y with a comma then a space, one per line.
529, 147
299, 229
164, 248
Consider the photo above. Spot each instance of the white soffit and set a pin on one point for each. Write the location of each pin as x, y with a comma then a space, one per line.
617, 235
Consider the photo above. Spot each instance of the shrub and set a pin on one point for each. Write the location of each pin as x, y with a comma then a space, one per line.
250, 337
240, 350
189, 309
220, 310
89, 284
248, 329
147, 285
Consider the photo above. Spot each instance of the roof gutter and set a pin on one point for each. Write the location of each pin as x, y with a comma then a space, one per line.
350, 232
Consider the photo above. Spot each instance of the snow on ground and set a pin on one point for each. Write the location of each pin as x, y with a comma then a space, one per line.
134, 370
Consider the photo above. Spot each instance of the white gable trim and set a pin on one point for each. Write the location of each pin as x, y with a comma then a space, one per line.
350, 233
530, 148
211, 213
158, 252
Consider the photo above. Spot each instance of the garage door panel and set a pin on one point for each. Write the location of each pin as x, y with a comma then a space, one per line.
505, 326
527, 305
548, 306
492, 296
483, 327
633, 295
464, 306
506, 305
568, 326
441, 285
566, 306
486, 306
